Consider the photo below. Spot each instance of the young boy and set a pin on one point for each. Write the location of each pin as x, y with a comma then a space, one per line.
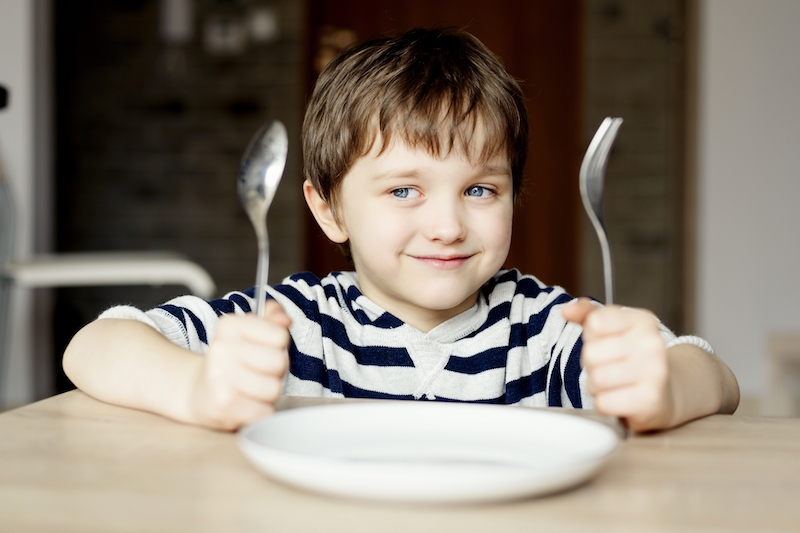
414, 148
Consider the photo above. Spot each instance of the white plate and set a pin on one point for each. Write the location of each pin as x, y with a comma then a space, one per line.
427, 451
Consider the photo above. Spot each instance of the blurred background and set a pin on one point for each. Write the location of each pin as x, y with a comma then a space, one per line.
127, 119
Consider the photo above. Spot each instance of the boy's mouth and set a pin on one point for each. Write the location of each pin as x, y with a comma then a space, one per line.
443, 262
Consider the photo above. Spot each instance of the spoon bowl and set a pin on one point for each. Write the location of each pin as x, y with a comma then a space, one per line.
259, 175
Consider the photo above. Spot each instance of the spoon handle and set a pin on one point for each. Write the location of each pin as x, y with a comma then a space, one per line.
262, 273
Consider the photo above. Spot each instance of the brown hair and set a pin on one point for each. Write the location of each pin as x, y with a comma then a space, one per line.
430, 86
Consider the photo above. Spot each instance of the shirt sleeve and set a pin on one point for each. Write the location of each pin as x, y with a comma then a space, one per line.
187, 321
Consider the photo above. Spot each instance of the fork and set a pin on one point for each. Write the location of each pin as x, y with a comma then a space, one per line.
592, 176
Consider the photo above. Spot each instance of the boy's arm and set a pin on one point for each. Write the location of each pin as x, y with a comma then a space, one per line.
128, 363
700, 384
633, 375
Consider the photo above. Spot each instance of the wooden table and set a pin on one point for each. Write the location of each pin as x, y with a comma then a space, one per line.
70, 463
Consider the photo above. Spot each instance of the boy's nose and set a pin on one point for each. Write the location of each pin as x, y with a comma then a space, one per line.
445, 222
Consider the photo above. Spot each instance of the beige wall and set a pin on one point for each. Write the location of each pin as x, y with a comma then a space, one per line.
748, 270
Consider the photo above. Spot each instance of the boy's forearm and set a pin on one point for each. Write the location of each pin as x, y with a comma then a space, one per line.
700, 385
128, 363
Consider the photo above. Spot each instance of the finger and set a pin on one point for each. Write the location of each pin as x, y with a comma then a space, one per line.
253, 329
619, 361
256, 386
604, 350
244, 411
616, 320
577, 310
633, 403
603, 378
274, 312
269, 361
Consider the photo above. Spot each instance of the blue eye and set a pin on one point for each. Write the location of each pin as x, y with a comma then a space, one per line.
402, 192
478, 191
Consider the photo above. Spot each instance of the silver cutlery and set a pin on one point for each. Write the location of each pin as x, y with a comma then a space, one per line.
259, 175
592, 177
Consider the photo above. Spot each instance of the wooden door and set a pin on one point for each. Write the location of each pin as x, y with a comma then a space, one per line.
539, 43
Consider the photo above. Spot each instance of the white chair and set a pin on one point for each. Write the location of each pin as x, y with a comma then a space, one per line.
84, 269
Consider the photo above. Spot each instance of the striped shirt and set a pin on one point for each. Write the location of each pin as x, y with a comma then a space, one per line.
512, 347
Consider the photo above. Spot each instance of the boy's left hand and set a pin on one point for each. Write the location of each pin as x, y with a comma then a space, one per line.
626, 364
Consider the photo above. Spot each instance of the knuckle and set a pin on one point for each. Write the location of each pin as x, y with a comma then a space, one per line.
283, 363
273, 390
283, 337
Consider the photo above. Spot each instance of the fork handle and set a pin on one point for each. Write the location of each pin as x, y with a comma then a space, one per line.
608, 269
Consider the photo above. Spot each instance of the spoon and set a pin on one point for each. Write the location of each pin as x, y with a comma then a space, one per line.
592, 175
259, 175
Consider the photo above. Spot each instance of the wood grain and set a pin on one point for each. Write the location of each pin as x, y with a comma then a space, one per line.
70, 463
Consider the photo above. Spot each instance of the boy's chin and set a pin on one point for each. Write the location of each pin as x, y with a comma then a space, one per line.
447, 301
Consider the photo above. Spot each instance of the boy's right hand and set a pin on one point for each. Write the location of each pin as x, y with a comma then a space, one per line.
241, 376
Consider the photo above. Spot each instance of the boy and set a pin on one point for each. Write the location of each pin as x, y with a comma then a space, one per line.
414, 148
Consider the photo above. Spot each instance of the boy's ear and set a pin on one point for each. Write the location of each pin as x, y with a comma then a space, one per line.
323, 214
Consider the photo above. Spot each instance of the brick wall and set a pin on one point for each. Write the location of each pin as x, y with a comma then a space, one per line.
149, 139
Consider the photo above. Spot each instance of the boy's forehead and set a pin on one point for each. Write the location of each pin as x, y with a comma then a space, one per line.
473, 145
399, 158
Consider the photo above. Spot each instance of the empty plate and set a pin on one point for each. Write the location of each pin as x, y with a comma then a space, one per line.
427, 451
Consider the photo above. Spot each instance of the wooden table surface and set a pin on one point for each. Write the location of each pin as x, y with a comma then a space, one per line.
70, 463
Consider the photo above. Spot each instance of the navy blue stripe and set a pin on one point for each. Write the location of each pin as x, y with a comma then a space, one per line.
175, 311
309, 368
572, 373
554, 393
498, 400
351, 391
310, 308
229, 304
384, 321
198, 326
526, 386
364, 355
242, 302
537, 322
181, 313
497, 314
222, 306
307, 277
521, 333
481, 362
529, 288
336, 332
508, 275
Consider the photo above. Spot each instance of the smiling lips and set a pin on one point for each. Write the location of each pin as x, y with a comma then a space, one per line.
442, 262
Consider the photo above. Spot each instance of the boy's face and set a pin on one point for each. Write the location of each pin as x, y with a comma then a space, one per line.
425, 232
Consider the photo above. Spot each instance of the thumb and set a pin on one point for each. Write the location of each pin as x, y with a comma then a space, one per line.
577, 310
275, 313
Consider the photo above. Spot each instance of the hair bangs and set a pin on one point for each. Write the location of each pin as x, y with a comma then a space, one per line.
440, 123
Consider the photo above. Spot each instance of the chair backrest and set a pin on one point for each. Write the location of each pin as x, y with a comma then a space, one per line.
7, 214
7, 219
7, 231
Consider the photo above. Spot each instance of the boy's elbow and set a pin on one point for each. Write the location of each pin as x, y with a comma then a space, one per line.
731, 394
82, 352
75, 352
